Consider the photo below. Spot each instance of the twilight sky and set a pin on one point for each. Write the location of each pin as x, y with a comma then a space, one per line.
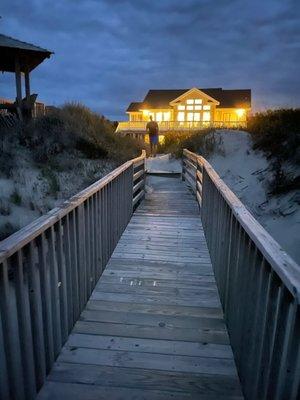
110, 52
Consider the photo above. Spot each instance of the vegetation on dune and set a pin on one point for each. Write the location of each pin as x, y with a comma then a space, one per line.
202, 141
75, 127
277, 133
50, 158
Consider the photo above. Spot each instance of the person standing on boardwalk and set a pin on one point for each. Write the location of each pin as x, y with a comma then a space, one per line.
152, 129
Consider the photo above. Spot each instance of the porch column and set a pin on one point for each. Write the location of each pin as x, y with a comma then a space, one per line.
18, 81
27, 85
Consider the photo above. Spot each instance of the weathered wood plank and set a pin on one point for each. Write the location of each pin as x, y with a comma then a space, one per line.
161, 331
163, 309
200, 384
75, 391
141, 345
163, 362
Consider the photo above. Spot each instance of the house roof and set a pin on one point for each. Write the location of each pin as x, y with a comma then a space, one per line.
29, 54
135, 106
236, 98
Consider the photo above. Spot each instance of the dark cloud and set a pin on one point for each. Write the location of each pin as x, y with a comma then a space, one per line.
110, 52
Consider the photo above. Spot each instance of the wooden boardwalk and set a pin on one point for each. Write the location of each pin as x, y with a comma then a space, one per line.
153, 327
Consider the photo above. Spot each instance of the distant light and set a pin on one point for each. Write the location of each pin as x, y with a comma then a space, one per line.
145, 113
240, 112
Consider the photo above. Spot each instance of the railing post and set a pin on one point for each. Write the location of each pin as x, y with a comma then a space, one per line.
183, 167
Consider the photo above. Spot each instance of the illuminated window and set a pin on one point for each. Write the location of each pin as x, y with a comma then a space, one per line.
180, 116
206, 107
196, 116
206, 116
198, 107
151, 114
240, 112
167, 116
159, 116
181, 107
190, 116
198, 101
190, 101
189, 107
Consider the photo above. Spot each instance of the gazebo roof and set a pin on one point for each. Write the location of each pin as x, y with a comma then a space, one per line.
29, 54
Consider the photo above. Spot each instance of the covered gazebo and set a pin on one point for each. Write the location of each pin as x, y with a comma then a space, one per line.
20, 58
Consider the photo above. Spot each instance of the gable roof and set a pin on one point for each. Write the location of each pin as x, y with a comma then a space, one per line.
135, 106
161, 98
28, 53
195, 92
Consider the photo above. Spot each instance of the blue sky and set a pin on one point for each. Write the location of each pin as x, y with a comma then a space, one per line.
110, 52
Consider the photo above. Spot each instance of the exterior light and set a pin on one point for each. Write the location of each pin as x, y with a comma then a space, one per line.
145, 113
240, 112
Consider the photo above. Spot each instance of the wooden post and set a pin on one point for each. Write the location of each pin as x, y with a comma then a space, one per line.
27, 84
18, 86
29, 110
18, 81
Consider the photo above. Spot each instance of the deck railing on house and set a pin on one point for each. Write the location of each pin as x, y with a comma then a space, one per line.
48, 270
259, 286
164, 126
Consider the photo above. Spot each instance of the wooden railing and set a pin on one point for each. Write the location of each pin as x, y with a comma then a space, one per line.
259, 286
48, 270
137, 126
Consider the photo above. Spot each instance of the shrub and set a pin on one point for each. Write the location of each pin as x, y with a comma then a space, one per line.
277, 132
53, 184
75, 127
201, 141
7, 229
5, 209
16, 198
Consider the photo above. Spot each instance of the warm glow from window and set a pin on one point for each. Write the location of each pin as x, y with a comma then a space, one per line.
190, 116
167, 116
180, 116
240, 112
189, 107
181, 107
145, 113
196, 116
198, 107
206, 116
159, 116
198, 101
206, 107
190, 101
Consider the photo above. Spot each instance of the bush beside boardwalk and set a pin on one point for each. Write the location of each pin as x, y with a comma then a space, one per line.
277, 134
49, 159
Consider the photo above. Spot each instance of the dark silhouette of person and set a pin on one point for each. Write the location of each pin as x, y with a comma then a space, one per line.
152, 129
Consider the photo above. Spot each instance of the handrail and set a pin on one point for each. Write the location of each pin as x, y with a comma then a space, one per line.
179, 125
283, 264
32, 230
259, 286
48, 270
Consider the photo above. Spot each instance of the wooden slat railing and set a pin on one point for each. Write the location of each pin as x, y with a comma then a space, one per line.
180, 126
259, 286
48, 270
